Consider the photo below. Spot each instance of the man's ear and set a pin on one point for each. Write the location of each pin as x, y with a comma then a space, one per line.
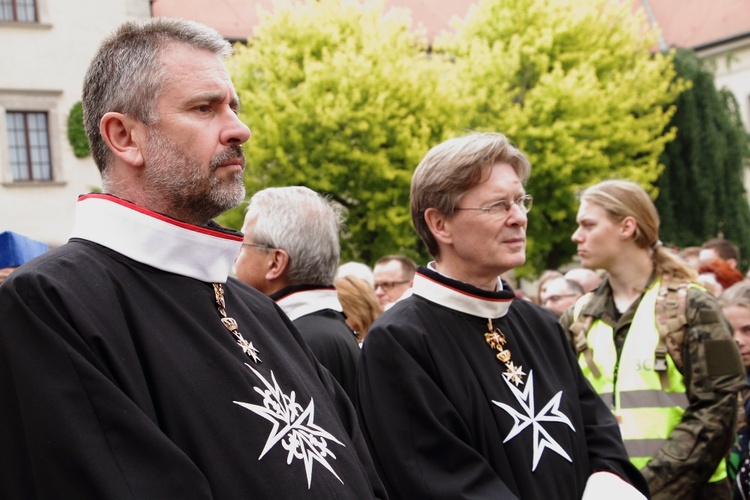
125, 136
278, 264
439, 225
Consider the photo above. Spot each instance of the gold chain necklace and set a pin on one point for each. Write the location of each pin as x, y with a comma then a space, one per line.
496, 340
231, 324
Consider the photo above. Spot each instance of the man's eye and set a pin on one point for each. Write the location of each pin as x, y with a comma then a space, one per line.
204, 108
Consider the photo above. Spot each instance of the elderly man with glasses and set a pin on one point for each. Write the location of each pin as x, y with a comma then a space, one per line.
465, 391
291, 253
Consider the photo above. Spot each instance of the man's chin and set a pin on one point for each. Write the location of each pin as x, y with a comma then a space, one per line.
231, 197
511, 262
519, 257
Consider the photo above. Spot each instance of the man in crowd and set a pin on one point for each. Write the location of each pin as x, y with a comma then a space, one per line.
131, 366
464, 390
559, 294
720, 248
587, 278
393, 277
291, 252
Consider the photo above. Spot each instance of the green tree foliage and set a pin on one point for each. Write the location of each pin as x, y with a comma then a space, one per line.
575, 86
344, 99
76, 132
701, 192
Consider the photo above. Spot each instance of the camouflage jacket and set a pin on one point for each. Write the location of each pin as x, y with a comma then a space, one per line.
713, 373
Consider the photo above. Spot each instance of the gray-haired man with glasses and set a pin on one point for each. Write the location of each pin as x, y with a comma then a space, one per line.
463, 390
291, 254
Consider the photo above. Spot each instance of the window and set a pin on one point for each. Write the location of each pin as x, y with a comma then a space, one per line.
31, 138
28, 145
18, 10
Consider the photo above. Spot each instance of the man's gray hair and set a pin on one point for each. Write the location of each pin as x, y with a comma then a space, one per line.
303, 223
127, 75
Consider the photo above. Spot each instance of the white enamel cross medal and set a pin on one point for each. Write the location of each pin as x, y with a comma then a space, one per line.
496, 340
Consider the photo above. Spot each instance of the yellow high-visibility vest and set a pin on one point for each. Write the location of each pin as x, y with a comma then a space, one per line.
647, 413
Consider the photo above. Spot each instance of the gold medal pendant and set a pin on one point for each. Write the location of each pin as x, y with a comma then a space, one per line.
496, 340
231, 325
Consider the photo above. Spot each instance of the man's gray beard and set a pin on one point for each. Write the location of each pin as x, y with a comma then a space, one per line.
189, 193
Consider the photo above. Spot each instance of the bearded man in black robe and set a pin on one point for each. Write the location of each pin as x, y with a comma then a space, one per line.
131, 365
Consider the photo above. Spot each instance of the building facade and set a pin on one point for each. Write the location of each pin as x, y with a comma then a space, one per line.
46, 48
47, 45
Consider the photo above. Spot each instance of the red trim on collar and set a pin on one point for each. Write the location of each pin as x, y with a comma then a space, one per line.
156, 215
481, 297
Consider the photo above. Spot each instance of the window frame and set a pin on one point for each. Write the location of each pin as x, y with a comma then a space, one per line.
43, 18
31, 101
37, 156
14, 8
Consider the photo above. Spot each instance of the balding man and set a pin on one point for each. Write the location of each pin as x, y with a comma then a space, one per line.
587, 278
559, 294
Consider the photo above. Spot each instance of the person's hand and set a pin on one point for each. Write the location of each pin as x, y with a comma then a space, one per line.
5, 272
607, 485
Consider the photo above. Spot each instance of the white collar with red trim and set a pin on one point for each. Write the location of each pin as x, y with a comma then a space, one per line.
438, 288
153, 239
302, 302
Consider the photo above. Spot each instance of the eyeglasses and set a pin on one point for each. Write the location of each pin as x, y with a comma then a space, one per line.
502, 207
556, 298
387, 286
256, 245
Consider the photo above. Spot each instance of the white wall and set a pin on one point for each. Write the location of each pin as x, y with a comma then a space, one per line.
731, 63
41, 68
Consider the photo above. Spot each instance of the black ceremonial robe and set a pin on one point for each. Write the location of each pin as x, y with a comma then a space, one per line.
445, 419
118, 379
318, 315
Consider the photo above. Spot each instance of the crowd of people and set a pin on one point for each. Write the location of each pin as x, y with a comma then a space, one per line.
158, 354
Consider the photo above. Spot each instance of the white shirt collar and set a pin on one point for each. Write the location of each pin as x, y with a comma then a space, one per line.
460, 296
432, 266
303, 302
150, 238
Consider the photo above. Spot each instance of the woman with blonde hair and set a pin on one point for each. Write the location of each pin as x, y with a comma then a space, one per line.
359, 302
674, 394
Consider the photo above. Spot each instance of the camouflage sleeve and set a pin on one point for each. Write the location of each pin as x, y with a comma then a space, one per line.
566, 319
713, 373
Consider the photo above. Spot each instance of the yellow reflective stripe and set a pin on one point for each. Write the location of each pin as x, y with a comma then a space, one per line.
643, 448
648, 423
652, 398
